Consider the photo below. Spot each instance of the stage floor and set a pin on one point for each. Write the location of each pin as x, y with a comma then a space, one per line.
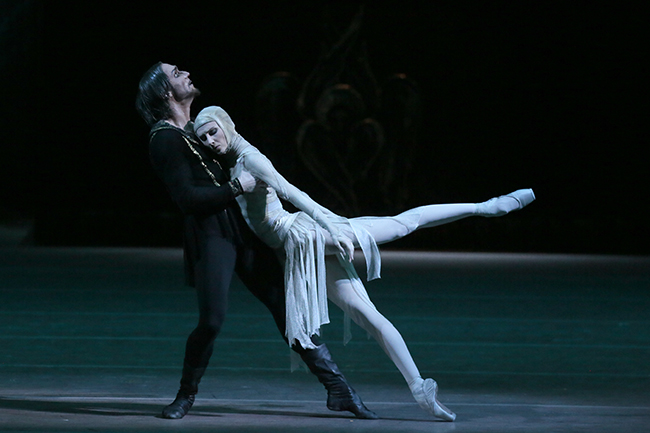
93, 339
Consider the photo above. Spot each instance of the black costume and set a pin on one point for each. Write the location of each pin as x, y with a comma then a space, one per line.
217, 242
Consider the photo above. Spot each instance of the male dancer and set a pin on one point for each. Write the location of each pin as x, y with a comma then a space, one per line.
217, 241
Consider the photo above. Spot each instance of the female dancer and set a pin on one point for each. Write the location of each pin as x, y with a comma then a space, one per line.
317, 247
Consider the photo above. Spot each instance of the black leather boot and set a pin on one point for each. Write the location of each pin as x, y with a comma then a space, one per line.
340, 395
186, 395
179, 407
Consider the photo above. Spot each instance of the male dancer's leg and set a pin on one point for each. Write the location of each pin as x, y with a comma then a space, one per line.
213, 275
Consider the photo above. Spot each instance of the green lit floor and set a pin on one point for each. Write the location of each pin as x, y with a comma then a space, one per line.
93, 339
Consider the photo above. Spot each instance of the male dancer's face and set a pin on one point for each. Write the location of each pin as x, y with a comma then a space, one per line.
182, 87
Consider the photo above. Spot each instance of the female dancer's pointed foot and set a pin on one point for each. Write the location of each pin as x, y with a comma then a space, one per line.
425, 393
504, 204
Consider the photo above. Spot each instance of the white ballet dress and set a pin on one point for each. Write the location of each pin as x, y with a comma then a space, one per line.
300, 239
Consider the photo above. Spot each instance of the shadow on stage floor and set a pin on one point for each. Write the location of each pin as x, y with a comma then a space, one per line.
93, 338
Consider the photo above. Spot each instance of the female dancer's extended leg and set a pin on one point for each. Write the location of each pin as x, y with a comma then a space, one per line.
341, 290
388, 229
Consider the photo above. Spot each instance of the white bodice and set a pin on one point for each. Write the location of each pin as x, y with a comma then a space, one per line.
302, 238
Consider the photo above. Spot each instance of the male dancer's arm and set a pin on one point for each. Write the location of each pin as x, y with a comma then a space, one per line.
169, 155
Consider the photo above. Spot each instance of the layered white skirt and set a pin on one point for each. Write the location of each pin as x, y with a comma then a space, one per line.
303, 244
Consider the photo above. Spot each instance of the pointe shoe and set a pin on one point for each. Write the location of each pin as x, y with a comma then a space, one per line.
504, 204
425, 393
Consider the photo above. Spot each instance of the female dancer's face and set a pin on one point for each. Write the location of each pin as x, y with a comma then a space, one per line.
213, 137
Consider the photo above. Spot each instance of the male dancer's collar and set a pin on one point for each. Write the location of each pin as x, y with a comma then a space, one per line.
187, 131
194, 146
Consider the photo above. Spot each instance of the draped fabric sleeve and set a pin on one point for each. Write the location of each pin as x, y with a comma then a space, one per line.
260, 167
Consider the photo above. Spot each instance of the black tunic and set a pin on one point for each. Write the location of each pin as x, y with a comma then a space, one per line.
217, 241
208, 209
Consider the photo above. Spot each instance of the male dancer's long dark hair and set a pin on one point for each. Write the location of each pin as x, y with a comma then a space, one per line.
151, 100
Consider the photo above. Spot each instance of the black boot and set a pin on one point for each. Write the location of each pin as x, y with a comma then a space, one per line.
179, 408
185, 397
340, 395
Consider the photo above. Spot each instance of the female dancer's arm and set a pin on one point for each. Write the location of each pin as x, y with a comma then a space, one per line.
260, 167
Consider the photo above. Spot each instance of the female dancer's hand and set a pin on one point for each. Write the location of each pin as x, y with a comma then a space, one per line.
345, 246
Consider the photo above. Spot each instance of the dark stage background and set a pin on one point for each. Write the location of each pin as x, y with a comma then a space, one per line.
543, 94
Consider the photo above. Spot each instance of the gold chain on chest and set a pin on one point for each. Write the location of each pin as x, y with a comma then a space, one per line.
203, 164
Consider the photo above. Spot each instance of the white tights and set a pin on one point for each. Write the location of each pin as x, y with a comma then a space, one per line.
341, 290
345, 289
388, 229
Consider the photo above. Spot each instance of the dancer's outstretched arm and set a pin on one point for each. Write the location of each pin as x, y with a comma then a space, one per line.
260, 167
